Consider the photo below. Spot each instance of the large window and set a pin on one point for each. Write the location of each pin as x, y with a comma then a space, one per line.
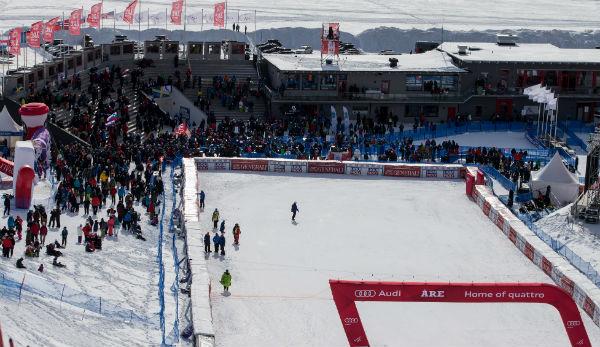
430, 110
432, 83
527, 78
450, 83
328, 82
292, 81
550, 78
308, 82
414, 83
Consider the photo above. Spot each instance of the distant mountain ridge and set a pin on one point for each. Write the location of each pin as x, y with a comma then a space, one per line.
372, 40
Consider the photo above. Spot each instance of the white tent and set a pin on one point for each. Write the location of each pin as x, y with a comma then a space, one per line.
564, 185
9, 129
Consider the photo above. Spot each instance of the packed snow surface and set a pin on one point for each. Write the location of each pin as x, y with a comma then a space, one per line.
500, 139
370, 229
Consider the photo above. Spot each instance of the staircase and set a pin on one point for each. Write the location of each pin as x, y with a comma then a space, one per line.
64, 115
205, 71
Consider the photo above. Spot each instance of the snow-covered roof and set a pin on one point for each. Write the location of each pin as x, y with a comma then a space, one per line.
433, 61
521, 52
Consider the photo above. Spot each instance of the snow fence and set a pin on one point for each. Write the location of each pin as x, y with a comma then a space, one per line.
582, 290
200, 287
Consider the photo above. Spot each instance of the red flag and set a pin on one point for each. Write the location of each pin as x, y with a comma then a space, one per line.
49, 29
219, 18
35, 34
75, 22
93, 18
130, 12
14, 44
176, 9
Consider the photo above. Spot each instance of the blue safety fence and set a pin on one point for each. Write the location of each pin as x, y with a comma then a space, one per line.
558, 246
16, 285
175, 286
569, 128
561, 248
161, 268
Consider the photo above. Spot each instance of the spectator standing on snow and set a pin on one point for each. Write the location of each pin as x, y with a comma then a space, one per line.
222, 243
215, 218
295, 209
222, 227
207, 242
79, 233
6, 204
64, 234
236, 234
226, 280
216, 243
202, 197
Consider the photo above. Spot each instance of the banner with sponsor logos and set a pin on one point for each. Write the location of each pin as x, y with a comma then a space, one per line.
34, 34
249, 165
14, 41
326, 167
75, 22
402, 171
93, 18
176, 10
130, 12
449, 171
219, 15
49, 29
347, 293
291, 166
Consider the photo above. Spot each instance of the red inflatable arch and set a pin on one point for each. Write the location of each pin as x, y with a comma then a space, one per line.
346, 293
24, 187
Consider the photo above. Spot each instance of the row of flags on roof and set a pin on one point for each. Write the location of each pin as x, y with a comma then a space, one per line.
40, 32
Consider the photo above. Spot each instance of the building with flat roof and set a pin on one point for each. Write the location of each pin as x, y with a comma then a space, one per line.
483, 79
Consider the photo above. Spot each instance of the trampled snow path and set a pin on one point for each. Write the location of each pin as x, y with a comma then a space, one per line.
123, 273
354, 15
373, 229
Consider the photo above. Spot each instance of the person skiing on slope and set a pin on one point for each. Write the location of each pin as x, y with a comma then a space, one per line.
294, 210
236, 234
215, 218
226, 280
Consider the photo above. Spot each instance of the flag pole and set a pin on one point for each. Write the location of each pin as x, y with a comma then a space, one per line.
202, 20
101, 10
115, 21
148, 18
140, 24
166, 20
184, 27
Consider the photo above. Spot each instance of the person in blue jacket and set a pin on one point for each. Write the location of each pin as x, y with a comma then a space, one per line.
216, 242
202, 196
222, 243
222, 227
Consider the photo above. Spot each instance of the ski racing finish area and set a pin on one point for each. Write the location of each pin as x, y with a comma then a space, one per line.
360, 228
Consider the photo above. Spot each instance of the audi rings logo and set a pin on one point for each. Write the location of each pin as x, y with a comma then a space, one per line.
573, 323
349, 320
365, 293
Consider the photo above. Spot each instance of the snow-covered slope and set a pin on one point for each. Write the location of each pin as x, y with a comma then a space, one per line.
374, 229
